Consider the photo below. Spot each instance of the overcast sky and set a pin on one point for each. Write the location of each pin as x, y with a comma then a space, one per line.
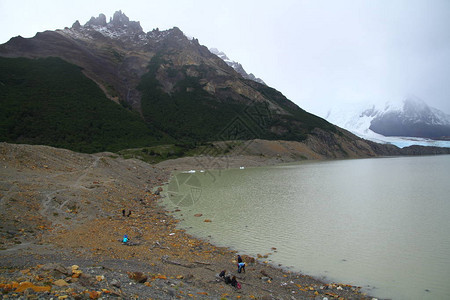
317, 53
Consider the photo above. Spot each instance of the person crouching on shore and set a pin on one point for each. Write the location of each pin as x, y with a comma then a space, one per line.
241, 267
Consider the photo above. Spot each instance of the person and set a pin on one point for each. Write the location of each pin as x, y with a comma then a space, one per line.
234, 282
125, 239
239, 259
241, 267
227, 279
123, 212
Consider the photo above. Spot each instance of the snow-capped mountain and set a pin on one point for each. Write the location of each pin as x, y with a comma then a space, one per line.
236, 66
119, 28
415, 118
409, 122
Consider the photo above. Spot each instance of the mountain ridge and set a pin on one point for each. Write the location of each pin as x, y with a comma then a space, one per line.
174, 85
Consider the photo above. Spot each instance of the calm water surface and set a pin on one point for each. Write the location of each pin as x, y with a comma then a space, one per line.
380, 223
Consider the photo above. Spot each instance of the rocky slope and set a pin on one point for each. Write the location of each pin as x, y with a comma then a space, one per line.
114, 55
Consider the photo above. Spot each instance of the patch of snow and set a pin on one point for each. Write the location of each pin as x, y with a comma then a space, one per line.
235, 65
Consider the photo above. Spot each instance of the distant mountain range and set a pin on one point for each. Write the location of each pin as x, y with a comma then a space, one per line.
396, 122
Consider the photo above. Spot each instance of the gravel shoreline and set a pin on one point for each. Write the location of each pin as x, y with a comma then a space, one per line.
61, 222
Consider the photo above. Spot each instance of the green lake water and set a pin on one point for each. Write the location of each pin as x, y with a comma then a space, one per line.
383, 224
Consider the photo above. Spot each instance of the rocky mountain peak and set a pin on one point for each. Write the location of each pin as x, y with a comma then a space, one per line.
119, 19
76, 25
175, 31
119, 23
99, 21
120, 27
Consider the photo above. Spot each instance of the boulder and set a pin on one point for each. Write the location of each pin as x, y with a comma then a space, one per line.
86, 280
76, 273
56, 270
138, 277
115, 283
55, 266
248, 259
60, 283
74, 267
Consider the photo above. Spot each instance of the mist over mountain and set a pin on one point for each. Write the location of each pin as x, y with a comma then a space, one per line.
407, 122
415, 118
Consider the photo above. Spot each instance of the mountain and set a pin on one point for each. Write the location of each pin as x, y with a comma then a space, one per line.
236, 66
408, 122
176, 87
414, 118
108, 86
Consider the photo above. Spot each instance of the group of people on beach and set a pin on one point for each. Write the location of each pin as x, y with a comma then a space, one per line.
232, 279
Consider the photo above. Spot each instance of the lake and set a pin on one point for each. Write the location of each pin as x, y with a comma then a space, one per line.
381, 223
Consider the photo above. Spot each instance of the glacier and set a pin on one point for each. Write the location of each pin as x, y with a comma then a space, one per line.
357, 118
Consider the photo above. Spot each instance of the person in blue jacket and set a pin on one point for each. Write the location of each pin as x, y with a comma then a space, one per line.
125, 239
241, 267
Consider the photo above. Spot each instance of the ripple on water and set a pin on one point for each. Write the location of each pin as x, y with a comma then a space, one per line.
372, 222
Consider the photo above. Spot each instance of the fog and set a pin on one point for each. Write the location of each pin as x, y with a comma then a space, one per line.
317, 53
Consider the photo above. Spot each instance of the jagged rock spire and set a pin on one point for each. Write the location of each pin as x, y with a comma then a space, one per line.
76, 25
119, 19
99, 21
